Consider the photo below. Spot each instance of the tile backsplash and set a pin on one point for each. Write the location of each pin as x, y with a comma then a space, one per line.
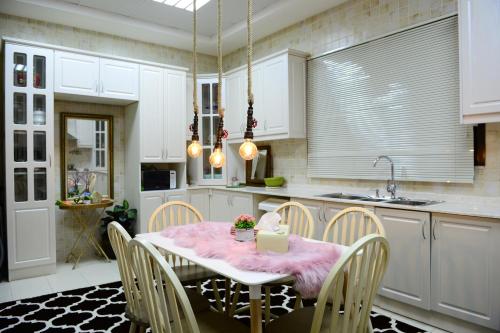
348, 24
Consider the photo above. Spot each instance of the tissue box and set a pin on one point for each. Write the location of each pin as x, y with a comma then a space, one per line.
276, 241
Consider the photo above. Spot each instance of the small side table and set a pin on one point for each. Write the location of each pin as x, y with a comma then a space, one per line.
82, 215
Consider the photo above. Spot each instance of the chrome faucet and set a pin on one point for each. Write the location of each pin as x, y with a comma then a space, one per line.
391, 184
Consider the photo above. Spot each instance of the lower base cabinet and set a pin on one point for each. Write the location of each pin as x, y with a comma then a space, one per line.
220, 205
408, 276
150, 200
466, 269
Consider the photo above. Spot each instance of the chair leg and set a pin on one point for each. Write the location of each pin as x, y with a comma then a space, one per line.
133, 327
267, 314
227, 301
198, 287
298, 301
217, 296
236, 297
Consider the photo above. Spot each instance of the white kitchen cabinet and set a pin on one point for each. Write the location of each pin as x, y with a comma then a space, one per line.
236, 105
226, 205
322, 212
163, 97
150, 200
119, 79
175, 119
465, 269
76, 74
29, 170
279, 98
200, 200
84, 75
151, 114
408, 276
479, 23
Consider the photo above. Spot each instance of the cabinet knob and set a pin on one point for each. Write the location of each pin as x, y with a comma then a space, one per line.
423, 229
434, 230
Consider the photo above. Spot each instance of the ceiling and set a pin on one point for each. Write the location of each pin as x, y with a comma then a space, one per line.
154, 22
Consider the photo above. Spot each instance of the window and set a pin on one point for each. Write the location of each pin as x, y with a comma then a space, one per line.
396, 96
100, 144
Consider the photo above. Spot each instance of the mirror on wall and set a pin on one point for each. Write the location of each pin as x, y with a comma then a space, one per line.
86, 154
260, 167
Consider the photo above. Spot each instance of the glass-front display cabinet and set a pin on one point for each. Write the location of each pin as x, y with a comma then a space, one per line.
209, 121
29, 169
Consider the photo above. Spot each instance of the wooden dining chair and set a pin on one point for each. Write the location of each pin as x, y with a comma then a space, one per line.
135, 310
301, 223
366, 261
350, 224
175, 213
120, 239
166, 301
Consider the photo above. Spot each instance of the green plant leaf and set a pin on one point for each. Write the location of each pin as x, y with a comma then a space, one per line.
125, 204
132, 214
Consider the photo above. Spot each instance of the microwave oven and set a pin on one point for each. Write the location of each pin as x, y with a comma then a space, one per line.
154, 180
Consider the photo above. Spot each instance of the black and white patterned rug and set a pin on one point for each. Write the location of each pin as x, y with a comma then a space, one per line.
101, 309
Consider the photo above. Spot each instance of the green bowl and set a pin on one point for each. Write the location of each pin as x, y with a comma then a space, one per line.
274, 181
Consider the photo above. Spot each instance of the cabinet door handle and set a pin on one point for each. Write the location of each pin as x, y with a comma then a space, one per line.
320, 211
50, 160
324, 216
96, 86
102, 87
162, 153
265, 124
423, 229
434, 230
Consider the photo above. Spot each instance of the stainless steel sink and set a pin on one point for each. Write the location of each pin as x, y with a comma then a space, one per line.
412, 202
345, 196
374, 199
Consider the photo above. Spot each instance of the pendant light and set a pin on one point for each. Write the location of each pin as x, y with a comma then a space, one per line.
194, 149
217, 158
248, 149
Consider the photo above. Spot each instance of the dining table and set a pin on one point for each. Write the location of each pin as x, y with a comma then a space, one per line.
253, 279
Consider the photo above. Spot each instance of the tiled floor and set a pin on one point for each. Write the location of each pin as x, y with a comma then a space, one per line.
96, 272
88, 273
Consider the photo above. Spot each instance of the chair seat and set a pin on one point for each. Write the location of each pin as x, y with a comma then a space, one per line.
213, 322
298, 321
198, 302
193, 273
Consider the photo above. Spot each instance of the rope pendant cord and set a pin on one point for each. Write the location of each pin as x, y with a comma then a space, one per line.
220, 127
249, 50
195, 135
250, 120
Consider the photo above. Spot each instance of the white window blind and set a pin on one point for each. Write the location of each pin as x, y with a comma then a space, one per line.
396, 96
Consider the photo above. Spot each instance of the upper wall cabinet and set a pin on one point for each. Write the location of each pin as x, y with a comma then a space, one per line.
76, 74
479, 23
83, 75
279, 98
162, 116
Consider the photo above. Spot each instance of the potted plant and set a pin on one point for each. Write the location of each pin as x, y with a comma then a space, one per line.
122, 214
244, 227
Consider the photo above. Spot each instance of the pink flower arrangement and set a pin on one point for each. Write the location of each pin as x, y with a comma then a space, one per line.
244, 221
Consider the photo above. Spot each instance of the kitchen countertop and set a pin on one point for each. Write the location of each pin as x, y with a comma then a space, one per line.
479, 206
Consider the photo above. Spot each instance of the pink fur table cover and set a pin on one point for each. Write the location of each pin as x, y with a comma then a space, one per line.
309, 262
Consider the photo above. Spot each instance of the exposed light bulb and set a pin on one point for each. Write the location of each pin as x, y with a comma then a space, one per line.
217, 158
248, 150
194, 149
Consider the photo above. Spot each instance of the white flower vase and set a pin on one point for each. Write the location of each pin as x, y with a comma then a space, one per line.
244, 235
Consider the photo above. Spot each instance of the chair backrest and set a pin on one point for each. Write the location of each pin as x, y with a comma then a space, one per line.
120, 239
359, 270
298, 217
167, 304
173, 213
350, 224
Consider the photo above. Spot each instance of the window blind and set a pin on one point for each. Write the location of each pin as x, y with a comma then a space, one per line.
396, 96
